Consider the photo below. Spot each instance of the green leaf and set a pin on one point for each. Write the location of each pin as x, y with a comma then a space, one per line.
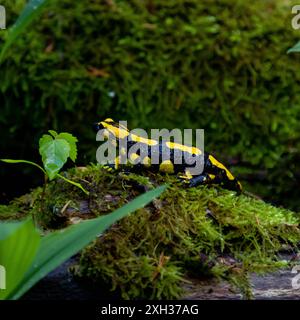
296, 48
31, 10
59, 246
23, 161
72, 142
53, 133
44, 139
54, 154
19, 243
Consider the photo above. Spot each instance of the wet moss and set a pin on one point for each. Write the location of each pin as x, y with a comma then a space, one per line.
187, 232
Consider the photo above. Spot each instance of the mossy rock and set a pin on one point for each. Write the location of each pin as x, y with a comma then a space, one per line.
186, 233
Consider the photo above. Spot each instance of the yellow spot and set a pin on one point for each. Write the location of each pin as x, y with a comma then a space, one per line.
106, 134
218, 164
192, 150
114, 143
166, 166
212, 176
123, 151
147, 162
133, 157
117, 162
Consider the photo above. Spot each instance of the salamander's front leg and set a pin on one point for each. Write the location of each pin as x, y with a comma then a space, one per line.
109, 167
124, 167
112, 166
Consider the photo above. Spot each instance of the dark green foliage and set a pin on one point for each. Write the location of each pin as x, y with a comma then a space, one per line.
187, 232
217, 65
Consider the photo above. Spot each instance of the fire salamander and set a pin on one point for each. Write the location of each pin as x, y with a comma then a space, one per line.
214, 172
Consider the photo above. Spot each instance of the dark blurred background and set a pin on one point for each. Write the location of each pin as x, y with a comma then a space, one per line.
218, 65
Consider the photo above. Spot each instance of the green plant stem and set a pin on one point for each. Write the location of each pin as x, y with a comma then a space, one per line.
44, 190
78, 185
11, 161
24, 161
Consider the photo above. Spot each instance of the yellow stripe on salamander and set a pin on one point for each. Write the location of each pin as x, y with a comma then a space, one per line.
192, 150
149, 142
117, 132
218, 164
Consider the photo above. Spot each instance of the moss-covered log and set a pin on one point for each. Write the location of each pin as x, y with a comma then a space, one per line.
188, 232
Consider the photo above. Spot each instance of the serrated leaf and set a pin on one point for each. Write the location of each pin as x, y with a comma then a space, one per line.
53, 133
72, 142
54, 154
43, 140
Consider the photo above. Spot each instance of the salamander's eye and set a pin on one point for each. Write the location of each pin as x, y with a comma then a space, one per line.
96, 126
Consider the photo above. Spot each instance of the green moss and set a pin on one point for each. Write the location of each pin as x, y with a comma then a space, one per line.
218, 65
188, 232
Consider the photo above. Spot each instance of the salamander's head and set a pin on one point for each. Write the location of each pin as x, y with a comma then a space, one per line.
113, 128
102, 124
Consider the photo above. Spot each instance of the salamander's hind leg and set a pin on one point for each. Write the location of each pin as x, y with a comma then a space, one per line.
193, 181
199, 180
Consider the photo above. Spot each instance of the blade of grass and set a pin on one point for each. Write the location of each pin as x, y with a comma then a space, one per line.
295, 48
78, 185
18, 246
31, 10
59, 246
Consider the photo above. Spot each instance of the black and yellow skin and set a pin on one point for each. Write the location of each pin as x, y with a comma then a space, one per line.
214, 172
